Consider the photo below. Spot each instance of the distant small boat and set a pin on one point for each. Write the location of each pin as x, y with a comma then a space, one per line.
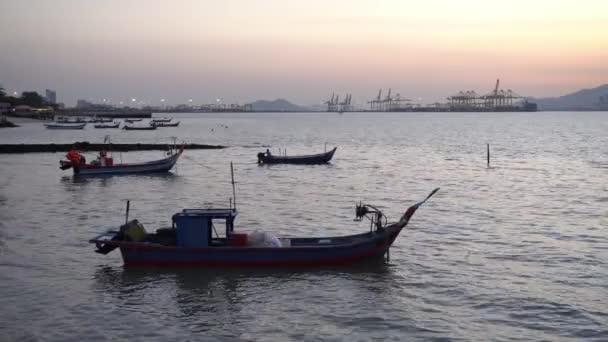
139, 128
162, 165
320, 158
114, 125
161, 119
165, 124
64, 119
65, 125
132, 120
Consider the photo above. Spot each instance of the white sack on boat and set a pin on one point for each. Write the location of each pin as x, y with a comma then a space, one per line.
263, 239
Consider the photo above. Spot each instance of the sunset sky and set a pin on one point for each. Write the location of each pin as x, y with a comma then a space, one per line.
300, 50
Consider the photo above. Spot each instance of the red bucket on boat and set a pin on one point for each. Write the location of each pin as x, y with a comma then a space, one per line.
235, 239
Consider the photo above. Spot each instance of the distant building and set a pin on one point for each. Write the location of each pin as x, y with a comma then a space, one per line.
84, 104
51, 96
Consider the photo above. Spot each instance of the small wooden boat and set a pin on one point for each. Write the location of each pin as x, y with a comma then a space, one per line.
193, 240
161, 119
162, 165
57, 125
139, 128
321, 158
165, 124
114, 125
133, 120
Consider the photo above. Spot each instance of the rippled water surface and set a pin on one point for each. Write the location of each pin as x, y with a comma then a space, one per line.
518, 251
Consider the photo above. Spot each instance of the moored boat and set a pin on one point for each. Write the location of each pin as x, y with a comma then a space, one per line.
109, 168
70, 120
132, 120
165, 124
113, 125
161, 119
139, 128
193, 240
321, 158
57, 125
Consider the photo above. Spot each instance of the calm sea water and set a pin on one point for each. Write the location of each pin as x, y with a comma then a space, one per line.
518, 251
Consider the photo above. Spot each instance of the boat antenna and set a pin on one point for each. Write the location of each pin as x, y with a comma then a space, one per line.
127, 213
233, 187
106, 140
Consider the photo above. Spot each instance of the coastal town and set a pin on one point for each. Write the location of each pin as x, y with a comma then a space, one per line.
33, 105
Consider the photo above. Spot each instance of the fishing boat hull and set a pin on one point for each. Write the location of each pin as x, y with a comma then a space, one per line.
176, 250
107, 126
65, 126
143, 128
162, 165
320, 158
165, 124
367, 247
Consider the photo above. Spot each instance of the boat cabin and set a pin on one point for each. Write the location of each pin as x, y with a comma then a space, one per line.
198, 227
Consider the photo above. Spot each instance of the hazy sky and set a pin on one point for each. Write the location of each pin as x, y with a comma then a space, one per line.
243, 50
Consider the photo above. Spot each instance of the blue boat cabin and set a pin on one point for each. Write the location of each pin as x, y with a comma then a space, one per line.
196, 228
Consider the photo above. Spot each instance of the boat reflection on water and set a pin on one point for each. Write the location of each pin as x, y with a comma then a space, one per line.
105, 180
224, 294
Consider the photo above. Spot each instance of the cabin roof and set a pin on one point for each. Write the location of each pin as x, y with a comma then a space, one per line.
225, 213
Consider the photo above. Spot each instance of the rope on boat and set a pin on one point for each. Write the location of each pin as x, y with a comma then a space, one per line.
200, 164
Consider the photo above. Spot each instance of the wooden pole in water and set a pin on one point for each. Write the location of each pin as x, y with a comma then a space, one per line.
488, 146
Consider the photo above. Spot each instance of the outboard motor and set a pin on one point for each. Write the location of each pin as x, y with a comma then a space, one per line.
260, 158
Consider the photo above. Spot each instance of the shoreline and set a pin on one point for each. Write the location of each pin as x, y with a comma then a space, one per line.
85, 146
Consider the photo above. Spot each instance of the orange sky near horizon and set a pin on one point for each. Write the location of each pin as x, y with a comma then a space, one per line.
246, 50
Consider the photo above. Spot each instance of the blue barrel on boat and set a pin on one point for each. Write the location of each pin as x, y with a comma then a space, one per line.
192, 229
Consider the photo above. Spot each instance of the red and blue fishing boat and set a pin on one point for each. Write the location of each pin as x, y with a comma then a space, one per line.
193, 240
107, 167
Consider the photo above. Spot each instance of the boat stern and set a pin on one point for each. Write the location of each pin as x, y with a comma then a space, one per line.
105, 243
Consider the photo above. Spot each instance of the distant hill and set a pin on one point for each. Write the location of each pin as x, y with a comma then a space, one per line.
278, 105
585, 99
